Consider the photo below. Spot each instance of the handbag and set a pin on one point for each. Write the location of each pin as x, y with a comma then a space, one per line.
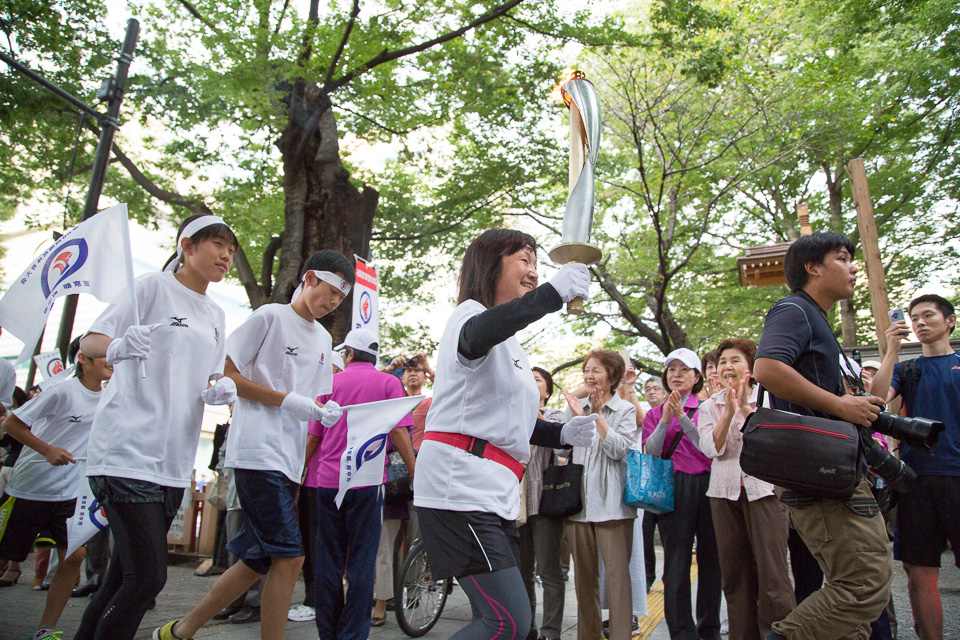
816, 456
649, 484
216, 493
561, 496
397, 488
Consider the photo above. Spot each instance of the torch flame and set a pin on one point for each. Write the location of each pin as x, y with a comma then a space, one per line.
557, 94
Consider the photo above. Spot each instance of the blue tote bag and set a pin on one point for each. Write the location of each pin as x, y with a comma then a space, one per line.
649, 484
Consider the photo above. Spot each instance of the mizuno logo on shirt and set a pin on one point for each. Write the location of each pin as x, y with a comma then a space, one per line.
291, 351
516, 363
75, 418
178, 322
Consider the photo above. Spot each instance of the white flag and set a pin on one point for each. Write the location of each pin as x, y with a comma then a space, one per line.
362, 462
93, 257
366, 303
88, 518
49, 363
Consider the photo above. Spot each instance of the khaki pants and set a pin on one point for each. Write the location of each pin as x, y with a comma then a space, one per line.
752, 542
857, 562
383, 582
613, 540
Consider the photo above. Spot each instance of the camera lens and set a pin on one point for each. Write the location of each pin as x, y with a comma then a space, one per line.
917, 432
895, 472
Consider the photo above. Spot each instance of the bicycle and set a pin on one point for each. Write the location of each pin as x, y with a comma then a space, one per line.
419, 598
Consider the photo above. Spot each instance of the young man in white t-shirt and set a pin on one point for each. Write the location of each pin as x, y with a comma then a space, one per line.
280, 361
39, 500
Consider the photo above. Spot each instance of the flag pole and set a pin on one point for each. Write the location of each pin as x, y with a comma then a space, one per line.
128, 272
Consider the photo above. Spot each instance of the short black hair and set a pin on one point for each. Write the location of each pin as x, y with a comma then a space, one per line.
546, 378
220, 231
363, 356
332, 261
481, 263
72, 351
813, 248
944, 305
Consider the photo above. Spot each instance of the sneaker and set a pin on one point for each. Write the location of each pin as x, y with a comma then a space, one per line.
44, 634
301, 613
166, 632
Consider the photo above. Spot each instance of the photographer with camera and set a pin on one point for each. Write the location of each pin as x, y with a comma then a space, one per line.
929, 512
797, 361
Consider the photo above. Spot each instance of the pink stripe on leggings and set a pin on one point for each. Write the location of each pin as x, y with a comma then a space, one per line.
494, 605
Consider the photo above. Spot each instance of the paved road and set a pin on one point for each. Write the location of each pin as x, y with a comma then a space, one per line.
20, 608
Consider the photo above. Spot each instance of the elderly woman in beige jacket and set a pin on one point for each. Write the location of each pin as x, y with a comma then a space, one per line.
751, 525
605, 526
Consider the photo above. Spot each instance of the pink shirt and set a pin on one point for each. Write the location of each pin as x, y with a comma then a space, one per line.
686, 459
726, 476
359, 383
419, 422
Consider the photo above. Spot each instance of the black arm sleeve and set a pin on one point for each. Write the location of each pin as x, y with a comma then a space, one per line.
484, 331
547, 434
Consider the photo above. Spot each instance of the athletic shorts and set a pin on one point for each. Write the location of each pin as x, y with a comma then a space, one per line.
115, 490
270, 526
25, 523
928, 515
466, 543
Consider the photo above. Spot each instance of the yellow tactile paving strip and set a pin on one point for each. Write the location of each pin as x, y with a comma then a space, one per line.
655, 606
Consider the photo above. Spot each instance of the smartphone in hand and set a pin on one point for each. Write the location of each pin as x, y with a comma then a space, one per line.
896, 315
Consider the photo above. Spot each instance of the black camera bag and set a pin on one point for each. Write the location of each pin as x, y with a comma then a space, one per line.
815, 456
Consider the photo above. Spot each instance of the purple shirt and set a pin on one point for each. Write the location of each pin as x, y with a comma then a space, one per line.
687, 458
359, 383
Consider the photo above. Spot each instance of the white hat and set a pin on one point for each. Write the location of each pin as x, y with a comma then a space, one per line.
686, 356
872, 364
337, 360
361, 340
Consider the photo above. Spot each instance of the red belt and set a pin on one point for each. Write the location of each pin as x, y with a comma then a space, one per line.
478, 447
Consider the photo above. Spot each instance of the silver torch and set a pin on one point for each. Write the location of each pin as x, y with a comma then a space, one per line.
579, 95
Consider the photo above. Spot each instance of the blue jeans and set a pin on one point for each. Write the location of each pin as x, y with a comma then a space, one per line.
354, 527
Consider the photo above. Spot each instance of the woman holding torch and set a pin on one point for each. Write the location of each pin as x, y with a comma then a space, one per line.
480, 427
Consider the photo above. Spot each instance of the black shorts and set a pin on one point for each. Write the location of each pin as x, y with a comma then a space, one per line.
465, 543
928, 515
24, 523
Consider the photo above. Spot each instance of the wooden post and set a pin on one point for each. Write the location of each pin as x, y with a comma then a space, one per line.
877, 280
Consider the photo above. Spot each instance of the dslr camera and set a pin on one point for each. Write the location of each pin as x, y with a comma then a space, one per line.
920, 433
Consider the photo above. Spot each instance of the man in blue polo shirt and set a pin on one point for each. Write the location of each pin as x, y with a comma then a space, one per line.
798, 362
928, 515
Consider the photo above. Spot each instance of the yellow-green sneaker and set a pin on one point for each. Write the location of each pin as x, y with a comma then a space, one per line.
166, 632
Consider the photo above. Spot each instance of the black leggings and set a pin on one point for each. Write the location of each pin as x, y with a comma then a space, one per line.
138, 571
500, 606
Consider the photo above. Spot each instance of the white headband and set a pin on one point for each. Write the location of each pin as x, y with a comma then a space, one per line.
200, 223
330, 278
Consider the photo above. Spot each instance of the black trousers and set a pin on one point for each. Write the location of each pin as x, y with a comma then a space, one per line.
307, 510
650, 521
690, 519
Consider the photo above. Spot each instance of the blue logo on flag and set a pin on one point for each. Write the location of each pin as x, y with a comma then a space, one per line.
366, 307
371, 449
62, 264
98, 515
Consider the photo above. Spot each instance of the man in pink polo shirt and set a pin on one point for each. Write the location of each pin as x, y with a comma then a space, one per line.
355, 526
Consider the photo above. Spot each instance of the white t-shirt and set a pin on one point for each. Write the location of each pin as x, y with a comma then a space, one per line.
61, 416
148, 428
494, 398
280, 350
8, 382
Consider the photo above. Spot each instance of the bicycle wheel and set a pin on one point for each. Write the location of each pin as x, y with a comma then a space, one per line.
419, 598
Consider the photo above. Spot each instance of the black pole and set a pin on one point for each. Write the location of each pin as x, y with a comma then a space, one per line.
109, 125
46, 84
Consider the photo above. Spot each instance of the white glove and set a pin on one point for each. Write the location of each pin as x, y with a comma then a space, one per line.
332, 414
572, 281
303, 407
581, 431
134, 343
223, 391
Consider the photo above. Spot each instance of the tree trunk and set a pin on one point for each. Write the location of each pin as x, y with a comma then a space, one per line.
323, 209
